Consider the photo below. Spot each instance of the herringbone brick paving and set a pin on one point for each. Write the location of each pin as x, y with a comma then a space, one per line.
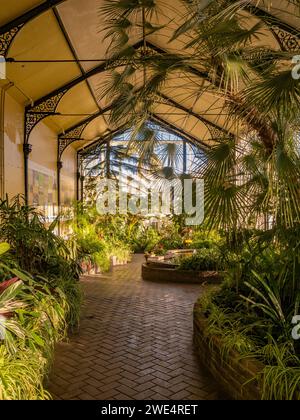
135, 343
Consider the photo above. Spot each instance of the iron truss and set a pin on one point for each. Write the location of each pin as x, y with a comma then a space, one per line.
9, 31
287, 41
74, 133
71, 137
215, 131
287, 37
7, 38
48, 105
35, 114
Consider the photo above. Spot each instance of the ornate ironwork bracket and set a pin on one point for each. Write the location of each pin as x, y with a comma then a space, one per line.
216, 133
287, 41
141, 53
287, 36
7, 38
64, 141
9, 30
160, 100
35, 114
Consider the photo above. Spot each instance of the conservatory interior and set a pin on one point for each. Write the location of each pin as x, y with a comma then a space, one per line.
150, 189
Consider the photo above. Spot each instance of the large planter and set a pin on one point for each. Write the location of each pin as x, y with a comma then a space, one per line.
115, 261
91, 270
236, 376
169, 273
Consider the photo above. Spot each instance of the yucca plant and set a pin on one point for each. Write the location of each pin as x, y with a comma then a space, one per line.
22, 375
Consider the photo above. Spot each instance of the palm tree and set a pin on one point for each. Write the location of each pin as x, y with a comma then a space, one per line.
256, 170
147, 153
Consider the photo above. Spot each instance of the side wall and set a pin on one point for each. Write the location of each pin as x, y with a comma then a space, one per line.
13, 147
42, 163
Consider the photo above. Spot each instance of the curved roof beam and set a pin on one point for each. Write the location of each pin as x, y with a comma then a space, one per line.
154, 118
287, 36
72, 49
179, 131
48, 104
102, 139
75, 132
215, 130
11, 29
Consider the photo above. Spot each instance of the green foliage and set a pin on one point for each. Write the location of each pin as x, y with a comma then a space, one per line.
254, 308
281, 376
34, 246
100, 237
40, 298
90, 247
36, 318
244, 178
21, 376
172, 236
147, 239
167, 236
206, 239
207, 259
36, 249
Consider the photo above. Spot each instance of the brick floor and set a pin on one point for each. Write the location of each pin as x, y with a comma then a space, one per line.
135, 342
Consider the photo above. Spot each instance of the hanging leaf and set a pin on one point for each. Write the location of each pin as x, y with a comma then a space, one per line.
4, 248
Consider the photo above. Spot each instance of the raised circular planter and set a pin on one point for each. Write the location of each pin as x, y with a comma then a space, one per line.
235, 375
163, 272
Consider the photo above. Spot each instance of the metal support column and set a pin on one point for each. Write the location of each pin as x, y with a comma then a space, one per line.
27, 149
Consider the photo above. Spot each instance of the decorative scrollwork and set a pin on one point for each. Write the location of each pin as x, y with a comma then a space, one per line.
288, 41
70, 137
7, 38
76, 132
160, 100
63, 143
31, 120
140, 54
114, 64
35, 114
215, 132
